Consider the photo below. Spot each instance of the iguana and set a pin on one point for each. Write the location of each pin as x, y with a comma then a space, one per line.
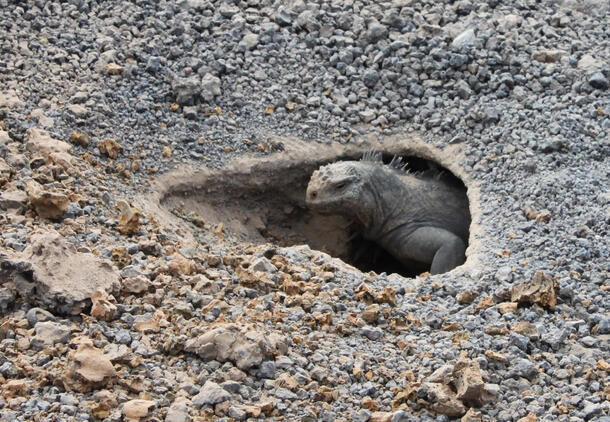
416, 219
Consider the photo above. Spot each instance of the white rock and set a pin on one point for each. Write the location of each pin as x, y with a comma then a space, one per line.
248, 42
588, 62
465, 39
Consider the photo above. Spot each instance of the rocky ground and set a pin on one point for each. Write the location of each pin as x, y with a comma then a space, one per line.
109, 313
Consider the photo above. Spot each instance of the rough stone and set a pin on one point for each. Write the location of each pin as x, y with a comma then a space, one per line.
598, 81
136, 410
129, 223
443, 400
543, 290
52, 273
13, 199
103, 306
464, 40
210, 87
48, 204
109, 147
88, 368
210, 394
245, 346
39, 141
49, 333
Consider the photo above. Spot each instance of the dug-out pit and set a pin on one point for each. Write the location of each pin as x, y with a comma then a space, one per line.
264, 201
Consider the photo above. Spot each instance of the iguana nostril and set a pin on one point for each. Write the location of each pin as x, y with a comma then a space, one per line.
313, 195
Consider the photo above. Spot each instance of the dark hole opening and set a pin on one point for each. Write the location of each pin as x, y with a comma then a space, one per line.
267, 204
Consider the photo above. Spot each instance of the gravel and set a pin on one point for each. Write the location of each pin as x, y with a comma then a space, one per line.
521, 88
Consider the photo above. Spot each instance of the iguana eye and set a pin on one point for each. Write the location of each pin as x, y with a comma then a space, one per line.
340, 185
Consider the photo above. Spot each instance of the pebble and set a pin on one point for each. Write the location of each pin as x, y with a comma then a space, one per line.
35, 315
210, 394
598, 81
465, 39
49, 333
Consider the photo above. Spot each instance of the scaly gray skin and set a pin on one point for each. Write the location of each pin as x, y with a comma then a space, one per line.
412, 218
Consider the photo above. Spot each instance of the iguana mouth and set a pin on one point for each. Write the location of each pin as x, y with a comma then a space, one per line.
321, 206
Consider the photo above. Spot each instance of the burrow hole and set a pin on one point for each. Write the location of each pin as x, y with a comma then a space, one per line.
267, 204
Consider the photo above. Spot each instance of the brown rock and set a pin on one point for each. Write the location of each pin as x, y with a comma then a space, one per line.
486, 302
129, 223
80, 138
103, 306
104, 402
148, 327
530, 417
167, 152
48, 204
120, 256
136, 285
370, 404
387, 296
467, 296
244, 345
109, 147
468, 381
114, 69
135, 410
442, 375
326, 394
543, 289
366, 294
495, 330
527, 329
472, 416
507, 307
490, 354
602, 365
287, 381
443, 400
88, 369
381, 417
371, 313
14, 388
52, 273
179, 265
547, 56
531, 213
38, 141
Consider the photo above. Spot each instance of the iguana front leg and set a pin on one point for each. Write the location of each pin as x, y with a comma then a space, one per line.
440, 248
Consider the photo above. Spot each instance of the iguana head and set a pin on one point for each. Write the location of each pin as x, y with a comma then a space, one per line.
336, 188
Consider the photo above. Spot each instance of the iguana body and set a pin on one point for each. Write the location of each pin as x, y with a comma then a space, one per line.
412, 218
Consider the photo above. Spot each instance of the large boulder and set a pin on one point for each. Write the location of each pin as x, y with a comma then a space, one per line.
51, 273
